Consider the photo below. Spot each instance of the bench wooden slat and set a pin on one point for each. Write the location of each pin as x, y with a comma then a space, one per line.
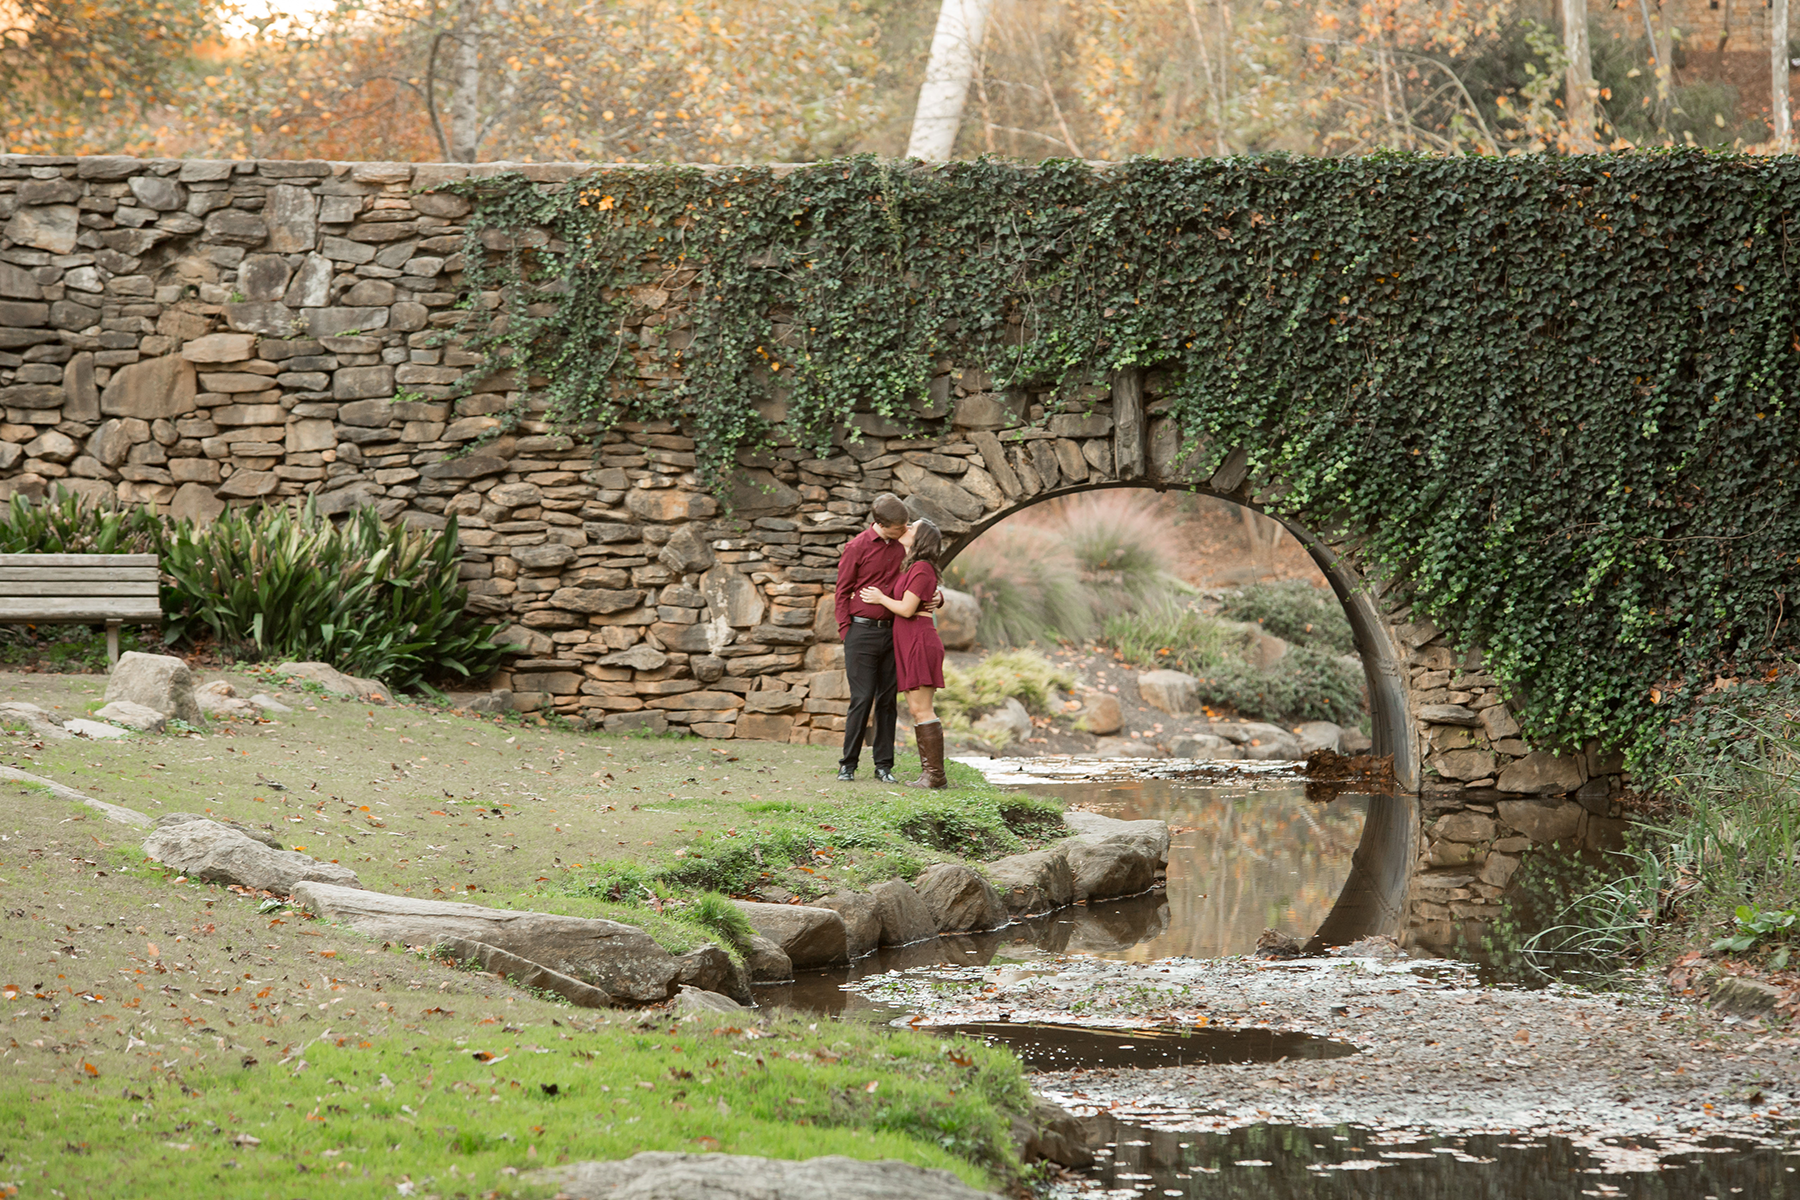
12, 588
136, 609
90, 561
75, 579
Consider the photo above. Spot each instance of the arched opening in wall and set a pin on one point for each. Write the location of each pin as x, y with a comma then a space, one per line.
1144, 622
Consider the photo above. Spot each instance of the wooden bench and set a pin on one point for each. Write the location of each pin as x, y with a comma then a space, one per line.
81, 589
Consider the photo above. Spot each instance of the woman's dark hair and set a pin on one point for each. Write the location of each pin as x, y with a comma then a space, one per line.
928, 543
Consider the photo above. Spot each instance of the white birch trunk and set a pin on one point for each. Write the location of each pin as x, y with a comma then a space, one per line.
1778, 76
1578, 95
465, 104
961, 25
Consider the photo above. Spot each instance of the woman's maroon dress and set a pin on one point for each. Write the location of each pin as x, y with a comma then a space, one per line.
918, 652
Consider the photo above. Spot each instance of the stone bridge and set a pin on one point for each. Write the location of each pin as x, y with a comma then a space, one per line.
201, 334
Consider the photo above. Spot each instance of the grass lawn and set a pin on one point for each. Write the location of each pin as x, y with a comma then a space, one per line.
161, 1034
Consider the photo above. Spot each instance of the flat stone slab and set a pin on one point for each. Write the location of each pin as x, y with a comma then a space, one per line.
99, 731
622, 960
1094, 825
526, 973
661, 1175
213, 852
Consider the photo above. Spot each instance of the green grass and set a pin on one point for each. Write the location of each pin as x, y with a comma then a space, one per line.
896, 834
358, 1118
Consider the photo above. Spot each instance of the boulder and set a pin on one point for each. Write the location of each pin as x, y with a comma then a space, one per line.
134, 716
37, 722
1154, 834
1005, 724
1033, 883
1052, 1133
957, 619
768, 962
1118, 747
904, 917
1110, 857
667, 1175
1735, 994
250, 831
1541, 773
960, 901
862, 925
1101, 870
335, 681
216, 853
810, 937
220, 699
1320, 735
1172, 691
1203, 746
1542, 820
622, 960
1103, 716
269, 704
524, 972
692, 1001
712, 969
157, 681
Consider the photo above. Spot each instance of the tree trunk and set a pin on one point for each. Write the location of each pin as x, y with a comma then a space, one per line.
465, 104
1778, 75
1578, 94
960, 27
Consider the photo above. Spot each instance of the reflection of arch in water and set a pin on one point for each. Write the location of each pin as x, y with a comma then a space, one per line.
1383, 659
1375, 896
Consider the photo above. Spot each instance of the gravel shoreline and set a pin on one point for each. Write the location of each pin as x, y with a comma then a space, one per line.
1437, 1050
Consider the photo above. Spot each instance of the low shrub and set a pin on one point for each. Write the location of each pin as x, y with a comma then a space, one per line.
1023, 675
1294, 611
369, 598
1028, 584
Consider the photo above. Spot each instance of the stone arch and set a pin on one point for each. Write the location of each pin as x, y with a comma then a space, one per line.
1383, 656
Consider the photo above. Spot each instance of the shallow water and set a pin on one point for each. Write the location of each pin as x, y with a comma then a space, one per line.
1059, 1047
1291, 1162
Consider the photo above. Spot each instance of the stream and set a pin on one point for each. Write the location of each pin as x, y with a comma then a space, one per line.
1251, 852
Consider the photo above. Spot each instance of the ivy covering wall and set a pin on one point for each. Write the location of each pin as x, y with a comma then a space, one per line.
1553, 394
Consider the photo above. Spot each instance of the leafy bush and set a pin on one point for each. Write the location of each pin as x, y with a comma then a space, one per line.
369, 598
1024, 675
1310, 683
73, 524
1294, 611
1028, 583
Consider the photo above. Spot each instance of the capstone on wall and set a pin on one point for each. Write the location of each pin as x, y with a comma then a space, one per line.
201, 334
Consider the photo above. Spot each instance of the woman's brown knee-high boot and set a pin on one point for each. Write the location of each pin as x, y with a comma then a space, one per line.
930, 737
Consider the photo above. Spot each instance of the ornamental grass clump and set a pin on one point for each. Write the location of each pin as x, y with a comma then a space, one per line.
370, 598
1029, 586
1119, 538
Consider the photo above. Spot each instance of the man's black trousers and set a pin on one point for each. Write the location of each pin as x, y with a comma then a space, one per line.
869, 663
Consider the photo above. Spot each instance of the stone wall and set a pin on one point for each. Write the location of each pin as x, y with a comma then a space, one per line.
201, 334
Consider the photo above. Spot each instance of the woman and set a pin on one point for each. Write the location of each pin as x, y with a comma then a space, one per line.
918, 654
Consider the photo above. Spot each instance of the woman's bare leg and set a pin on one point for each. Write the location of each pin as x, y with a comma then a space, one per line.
918, 702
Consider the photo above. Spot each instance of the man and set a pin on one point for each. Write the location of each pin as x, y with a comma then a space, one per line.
871, 559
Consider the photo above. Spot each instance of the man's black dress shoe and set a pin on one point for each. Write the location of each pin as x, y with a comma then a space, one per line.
883, 775
846, 774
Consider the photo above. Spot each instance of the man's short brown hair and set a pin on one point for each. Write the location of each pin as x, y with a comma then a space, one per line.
888, 511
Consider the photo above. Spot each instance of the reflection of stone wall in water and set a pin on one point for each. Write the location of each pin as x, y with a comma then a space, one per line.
1471, 849
1241, 864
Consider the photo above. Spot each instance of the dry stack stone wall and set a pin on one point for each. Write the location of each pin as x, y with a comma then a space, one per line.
202, 334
